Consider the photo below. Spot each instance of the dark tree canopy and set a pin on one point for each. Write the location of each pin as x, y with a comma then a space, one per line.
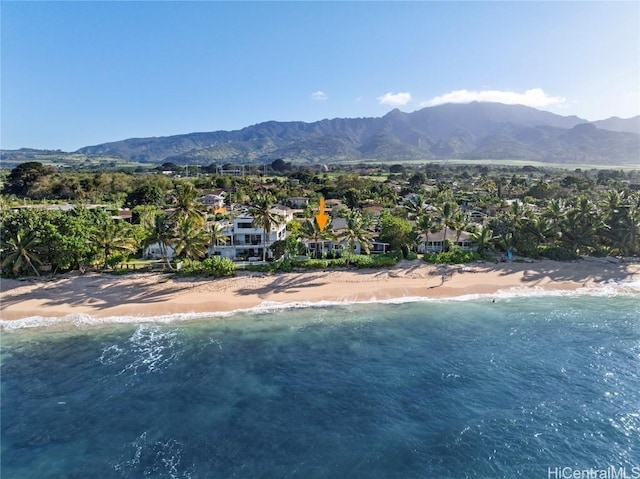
25, 176
145, 195
280, 165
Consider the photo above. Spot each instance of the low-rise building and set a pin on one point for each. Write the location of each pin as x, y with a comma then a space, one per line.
436, 242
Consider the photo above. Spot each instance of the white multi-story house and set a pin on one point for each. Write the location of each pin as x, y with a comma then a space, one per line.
242, 240
245, 242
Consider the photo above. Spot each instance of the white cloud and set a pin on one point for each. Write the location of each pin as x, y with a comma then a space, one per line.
395, 99
535, 97
319, 95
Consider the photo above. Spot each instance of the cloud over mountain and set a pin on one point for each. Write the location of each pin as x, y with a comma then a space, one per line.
535, 97
395, 99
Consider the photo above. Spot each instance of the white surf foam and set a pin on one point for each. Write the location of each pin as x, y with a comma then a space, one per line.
608, 289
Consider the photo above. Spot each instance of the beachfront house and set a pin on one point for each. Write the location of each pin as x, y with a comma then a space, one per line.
339, 247
240, 239
436, 242
245, 242
155, 251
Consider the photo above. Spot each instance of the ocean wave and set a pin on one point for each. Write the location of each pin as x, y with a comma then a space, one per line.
608, 289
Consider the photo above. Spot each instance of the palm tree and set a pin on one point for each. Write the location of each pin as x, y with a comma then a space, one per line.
426, 224
579, 236
624, 230
541, 229
518, 214
310, 230
612, 204
460, 223
112, 236
191, 240
146, 215
185, 203
161, 231
218, 236
580, 226
415, 207
555, 209
483, 238
357, 230
265, 218
20, 252
618, 213
505, 240
446, 214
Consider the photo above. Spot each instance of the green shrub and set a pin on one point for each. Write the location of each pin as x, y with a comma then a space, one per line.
190, 267
311, 263
218, 267
115, 259
412, 256
455, 256
558, 253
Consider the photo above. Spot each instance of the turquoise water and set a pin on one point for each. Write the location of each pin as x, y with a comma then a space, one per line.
451, 389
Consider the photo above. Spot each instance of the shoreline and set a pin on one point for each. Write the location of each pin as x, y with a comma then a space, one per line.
144, 296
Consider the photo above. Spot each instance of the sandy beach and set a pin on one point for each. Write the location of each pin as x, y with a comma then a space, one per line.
157, 294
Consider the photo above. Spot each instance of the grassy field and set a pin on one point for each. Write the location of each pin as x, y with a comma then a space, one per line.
80, 161
504, 163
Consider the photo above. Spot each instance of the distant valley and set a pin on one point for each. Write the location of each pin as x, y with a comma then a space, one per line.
473, 131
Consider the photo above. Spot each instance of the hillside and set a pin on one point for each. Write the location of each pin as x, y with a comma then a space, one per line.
464, 131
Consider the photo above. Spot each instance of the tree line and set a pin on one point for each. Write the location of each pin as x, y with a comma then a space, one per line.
557, 214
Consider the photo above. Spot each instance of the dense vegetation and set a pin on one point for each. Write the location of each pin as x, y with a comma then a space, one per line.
557, 214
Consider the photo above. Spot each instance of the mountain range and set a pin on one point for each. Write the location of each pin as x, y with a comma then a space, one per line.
477, 130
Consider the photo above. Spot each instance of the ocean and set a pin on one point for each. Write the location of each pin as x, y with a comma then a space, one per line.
531, 386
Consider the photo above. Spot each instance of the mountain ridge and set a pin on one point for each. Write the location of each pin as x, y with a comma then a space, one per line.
476, 130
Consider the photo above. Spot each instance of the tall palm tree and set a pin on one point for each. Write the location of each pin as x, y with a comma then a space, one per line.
518, 214
217, 234
517, 217
265, 218
357, 230
460, 223
581, 225
612, 204
426, 225
578, 235
542, 229
624, 231
416, 207
20, 252
483, 238
310, 230
112, 236
191, 240
185, 203
161, 231
617, 216
555, 209
446, 213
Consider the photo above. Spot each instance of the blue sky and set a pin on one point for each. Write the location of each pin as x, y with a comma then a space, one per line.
82, 73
